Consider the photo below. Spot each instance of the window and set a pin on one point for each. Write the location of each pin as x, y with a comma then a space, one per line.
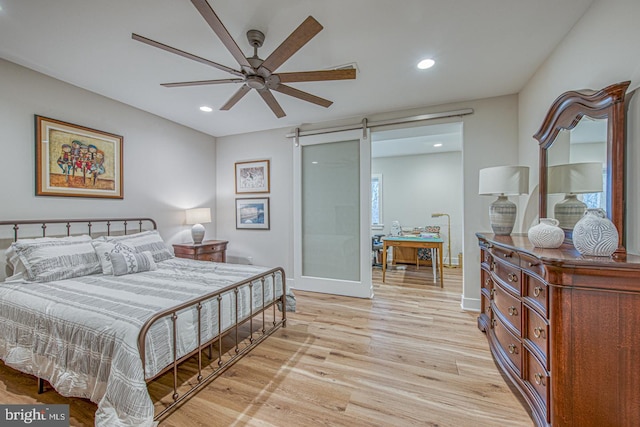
376, 201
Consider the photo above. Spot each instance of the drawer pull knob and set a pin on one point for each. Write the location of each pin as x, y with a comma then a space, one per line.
512, 277
538, 378
493, 323
487, 281
537, 291
507, 255
493, 292
538, 332
493, 266
513, 349
513, 311
533, 264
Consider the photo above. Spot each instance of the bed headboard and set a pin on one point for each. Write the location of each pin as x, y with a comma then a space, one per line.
10, 231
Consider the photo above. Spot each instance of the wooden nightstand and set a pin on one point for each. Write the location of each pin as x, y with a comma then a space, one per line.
209, 250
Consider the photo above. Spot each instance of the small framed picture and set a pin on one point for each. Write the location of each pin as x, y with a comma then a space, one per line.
252, 213
252, 177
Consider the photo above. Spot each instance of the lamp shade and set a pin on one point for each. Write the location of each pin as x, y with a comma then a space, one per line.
504, 180
576, 178
198, 216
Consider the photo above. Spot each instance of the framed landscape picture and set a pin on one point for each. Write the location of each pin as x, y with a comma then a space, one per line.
75, 161
252, 177
252, 213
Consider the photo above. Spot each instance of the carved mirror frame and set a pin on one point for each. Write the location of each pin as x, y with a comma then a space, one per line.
565, 113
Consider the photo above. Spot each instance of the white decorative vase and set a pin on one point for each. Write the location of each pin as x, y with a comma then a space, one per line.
547, 234
595, 234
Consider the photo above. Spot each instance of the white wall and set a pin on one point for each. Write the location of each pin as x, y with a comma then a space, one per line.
167, 167
490, 139
414, 187
601, 49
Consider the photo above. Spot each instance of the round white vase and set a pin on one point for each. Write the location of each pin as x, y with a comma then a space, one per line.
546, 234
595, 234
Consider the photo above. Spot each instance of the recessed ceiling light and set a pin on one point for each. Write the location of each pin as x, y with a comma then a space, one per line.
206, 109
426, 63
437, 145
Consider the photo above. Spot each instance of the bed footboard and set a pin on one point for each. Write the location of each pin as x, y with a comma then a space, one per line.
245, 333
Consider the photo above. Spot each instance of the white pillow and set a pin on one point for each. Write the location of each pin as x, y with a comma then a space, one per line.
132, 262
15, 264
145, 241
105, 249
45, 261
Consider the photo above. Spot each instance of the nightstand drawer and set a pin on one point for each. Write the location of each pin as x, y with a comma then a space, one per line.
211, 250
212, 257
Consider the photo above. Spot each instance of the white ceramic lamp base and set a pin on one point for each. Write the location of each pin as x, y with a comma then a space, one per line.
502, 215
197, 233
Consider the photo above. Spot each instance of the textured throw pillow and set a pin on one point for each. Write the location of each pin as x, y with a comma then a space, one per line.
105, 250
131, 262
145, 241
45, 261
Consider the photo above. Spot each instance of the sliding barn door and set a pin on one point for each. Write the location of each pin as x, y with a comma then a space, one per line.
332, 191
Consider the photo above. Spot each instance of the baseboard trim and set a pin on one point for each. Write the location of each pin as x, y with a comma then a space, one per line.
470, 304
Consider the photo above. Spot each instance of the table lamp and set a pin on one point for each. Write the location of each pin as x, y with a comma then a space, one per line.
197, 217
573, 179
437, 215
503, 181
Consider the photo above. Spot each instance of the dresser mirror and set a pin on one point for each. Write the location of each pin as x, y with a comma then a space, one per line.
582, 136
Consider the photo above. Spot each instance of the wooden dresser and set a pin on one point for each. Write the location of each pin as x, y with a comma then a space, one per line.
209, 250
565, 329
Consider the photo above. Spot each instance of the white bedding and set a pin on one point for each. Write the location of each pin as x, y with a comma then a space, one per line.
81, 334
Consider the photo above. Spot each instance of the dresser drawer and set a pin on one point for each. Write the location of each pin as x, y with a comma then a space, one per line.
532, 265
505, 254
216, 247
538, 380
510, 346
510, 308
485, 257
536, 331
536, 293
486, 283
509, 274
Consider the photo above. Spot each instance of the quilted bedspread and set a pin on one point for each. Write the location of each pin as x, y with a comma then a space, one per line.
81, 334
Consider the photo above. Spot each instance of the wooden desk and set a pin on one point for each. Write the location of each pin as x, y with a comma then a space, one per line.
412, 242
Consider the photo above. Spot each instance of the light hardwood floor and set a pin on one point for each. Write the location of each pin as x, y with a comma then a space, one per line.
409, 357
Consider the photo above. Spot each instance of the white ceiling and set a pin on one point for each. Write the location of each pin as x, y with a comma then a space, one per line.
482, 48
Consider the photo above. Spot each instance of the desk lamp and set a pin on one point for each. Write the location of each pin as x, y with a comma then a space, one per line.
197, 217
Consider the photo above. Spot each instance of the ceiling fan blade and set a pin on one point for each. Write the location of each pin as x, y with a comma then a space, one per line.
298, 38
218, 27
185, 54
271, 102
236, 97
316, 76
202, 82
305, 96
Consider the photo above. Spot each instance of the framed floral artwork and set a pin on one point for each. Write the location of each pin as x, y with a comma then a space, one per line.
252, 177
252, 213
76, 161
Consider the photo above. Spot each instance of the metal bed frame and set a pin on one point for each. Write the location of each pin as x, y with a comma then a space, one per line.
225, 359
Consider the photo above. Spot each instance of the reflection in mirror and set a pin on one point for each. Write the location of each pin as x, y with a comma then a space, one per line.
577, 172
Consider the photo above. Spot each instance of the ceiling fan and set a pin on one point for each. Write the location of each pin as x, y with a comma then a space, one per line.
256, 73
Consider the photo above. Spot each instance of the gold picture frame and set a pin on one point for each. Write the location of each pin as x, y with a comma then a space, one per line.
252, 177
76, 161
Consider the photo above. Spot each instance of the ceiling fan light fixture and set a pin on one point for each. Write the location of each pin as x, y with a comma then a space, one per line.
426, 63
206, 109
255, 82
